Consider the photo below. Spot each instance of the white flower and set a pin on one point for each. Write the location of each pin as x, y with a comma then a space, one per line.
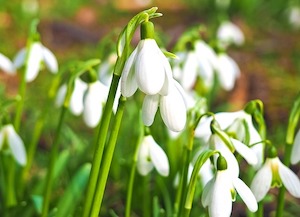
232, 123
37, 54
9, 136
147, 69
6, 65
233, 166
152, 155
106, 69
219, 191
94, 100
295, 156
172, 108
228, 71
229, 33
274, 173
294, 17
76, 102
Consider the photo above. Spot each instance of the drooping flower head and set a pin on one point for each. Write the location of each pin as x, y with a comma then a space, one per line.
11, 140
6, 65
229, 33
150, 156
221, 190
274, 174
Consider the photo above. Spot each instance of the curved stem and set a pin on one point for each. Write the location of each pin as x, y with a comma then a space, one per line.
53, 157
104, 170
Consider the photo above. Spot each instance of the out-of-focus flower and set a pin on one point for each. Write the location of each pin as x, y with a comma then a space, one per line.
9, 137
152, 155
274, 173
295, 156
229, 33
37, 54
220, 191
6, 65
294, 17
228, 71
172, 108
106, 69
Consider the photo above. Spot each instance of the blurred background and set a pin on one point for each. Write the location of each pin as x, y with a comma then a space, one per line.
269, 59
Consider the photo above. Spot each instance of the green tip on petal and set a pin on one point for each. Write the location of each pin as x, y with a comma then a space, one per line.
221, 163
147, 30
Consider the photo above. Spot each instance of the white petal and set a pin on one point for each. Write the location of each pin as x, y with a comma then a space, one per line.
205, 51
230, 33
206, 173
168, 76
189, 71
158, 158
149, 67
16, 145
20, 57
93, 103
6, 65
76, 101
290, 180
295, 156
128, 80
247, 153
34, 61
246, 194
261, 182
61, 94
173, 110
221, 201
206, 71
144, 165
1, 138
50, 60
207, 193
150, 106
228, 71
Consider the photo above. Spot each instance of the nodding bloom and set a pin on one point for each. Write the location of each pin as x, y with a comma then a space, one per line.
294, 17
147, 68
106, 69
227, 72
238, 125
6, 65
150, 156
88, 99
172, 108
273, 174
221, 190
33, 57
229, 33
11, 140
295, 155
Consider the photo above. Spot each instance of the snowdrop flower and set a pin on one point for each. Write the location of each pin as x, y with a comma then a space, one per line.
37, 54
147, 68
152, 155
228, 71
106, 69
94, 100
274, 173
220, 191
6, 65
295, 156
233, 124
76, 101
15, 144
294, 17
172, 108
229, 33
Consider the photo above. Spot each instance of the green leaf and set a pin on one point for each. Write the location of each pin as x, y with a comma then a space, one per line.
69, 201
202, 158
293, 121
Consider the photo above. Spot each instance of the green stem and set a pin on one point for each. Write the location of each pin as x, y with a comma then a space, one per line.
281, 195
146, 197
53, 158
260, 211
184, 174
31, 152
10, 170
103, 175
131, 179
101, 138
